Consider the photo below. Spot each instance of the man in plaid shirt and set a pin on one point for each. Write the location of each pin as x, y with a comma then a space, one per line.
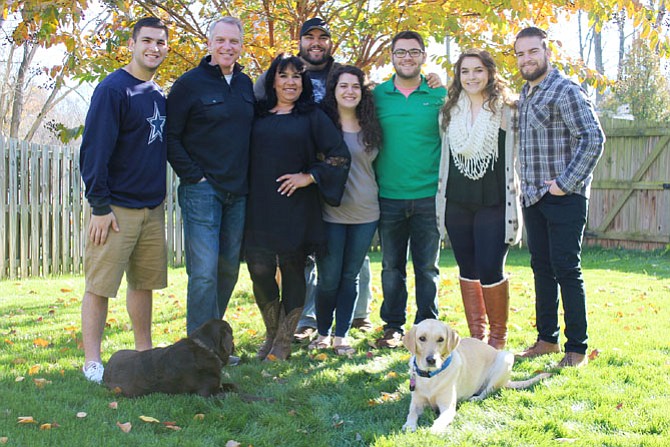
560, 143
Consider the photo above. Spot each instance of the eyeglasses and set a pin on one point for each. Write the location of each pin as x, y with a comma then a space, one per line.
415, 52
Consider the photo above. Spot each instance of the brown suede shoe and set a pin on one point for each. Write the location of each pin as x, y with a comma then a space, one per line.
303, 334
392, 338
540, 347
573, 359
362, 324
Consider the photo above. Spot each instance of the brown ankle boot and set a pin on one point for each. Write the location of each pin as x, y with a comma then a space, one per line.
473, 303
281, 347
496, 298
271, 317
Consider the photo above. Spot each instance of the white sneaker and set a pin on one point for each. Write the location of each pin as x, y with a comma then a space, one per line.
93, 371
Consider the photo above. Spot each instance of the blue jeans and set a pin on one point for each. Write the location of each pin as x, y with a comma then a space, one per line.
213, 228
337, 287
408, 224
555, 227
362, 309
308, 317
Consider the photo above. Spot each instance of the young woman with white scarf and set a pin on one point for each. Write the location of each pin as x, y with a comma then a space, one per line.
479, 180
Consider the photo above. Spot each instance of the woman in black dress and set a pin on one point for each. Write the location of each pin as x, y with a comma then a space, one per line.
297, 159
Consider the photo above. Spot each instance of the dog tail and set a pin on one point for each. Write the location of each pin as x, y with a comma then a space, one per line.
523, 384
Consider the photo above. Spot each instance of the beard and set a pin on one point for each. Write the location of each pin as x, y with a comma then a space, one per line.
401, 72
304, 55
537, 73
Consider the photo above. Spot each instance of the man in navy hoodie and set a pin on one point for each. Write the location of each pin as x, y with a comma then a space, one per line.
123, 165
210, 112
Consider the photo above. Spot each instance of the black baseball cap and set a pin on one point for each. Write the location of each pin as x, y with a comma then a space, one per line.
311, 24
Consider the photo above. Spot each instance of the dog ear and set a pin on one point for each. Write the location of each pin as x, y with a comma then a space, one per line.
409, 340
453, 339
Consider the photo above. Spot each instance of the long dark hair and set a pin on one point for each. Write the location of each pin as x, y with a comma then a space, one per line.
365, 110
496, 87
305, 101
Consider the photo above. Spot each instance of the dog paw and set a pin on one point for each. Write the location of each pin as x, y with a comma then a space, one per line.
409, 427
438, 429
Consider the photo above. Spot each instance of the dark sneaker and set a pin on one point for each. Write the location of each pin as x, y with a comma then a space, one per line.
233, 360
539, 348
362, 324
392, 339
303, 334
573, 359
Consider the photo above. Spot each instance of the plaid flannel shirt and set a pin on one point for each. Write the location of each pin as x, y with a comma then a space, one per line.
560, 138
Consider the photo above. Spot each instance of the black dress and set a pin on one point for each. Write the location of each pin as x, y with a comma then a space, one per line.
288, 144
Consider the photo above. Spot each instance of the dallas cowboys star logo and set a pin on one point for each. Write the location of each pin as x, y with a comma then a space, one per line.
156, 122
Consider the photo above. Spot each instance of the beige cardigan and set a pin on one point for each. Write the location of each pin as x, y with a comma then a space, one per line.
513, 216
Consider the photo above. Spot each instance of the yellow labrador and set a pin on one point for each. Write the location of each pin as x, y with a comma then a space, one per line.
445, 369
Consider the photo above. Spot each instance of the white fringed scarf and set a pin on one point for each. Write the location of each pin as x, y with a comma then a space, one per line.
474, 146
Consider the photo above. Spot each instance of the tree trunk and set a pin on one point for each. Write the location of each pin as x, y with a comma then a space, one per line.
598, 56
29, 51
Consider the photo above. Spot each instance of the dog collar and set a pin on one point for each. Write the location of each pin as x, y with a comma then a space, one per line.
429, 374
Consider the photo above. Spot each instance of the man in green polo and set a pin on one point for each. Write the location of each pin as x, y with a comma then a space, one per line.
407, 172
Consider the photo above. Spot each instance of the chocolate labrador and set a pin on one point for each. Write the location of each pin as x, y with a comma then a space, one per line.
190, 366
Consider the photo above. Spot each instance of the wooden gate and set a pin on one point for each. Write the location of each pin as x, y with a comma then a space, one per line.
630, 197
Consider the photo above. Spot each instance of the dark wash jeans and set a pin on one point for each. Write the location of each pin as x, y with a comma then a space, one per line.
213, 229
337, 289
403, 225
555, 227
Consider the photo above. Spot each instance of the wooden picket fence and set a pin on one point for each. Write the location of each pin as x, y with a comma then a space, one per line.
43, 212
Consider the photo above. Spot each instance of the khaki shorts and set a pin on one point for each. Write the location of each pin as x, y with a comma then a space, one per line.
138, 249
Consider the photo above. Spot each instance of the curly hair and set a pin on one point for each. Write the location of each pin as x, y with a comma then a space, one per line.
494, 91
365, 110
280, 64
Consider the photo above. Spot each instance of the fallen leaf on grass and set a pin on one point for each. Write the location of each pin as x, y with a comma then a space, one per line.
173, 427
26, 420
81, 415
619, 406
594, 354
4, 440
232, 443
41, 383
271, 358
149, 419
45, 427
113, 405
34, 370
392, 375
252, 332
321, 357
199, 417
126, 427
8, 341
66, 290
19, 379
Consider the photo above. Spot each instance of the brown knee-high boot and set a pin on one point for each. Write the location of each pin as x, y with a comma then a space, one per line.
473, 303
496, 297
281, 347
271, 317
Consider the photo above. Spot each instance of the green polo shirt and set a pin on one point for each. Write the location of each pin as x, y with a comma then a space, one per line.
408, 163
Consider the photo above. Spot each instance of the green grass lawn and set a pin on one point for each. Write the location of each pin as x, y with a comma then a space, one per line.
622, 398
